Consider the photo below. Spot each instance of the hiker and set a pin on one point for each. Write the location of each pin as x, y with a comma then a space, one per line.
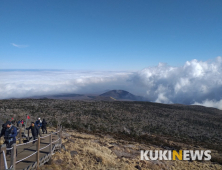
18, 123
44, 123
12, 121
38, 124
23, 123
3, 130
34, 130
9, 135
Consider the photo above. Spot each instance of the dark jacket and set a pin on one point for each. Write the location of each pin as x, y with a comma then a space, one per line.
44, 123
18, 123
33, 129
10, 134
3, 130
38, 124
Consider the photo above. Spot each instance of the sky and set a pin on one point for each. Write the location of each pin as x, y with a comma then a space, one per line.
107, 35
167, 51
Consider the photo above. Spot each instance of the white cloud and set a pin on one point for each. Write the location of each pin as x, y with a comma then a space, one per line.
196, 82
31, 83
211, 103
19, 46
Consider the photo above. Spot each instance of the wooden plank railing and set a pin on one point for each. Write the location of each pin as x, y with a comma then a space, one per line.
39, 161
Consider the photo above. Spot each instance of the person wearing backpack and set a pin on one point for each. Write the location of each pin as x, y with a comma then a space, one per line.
3, 130
44, 129
38, 124
10, 134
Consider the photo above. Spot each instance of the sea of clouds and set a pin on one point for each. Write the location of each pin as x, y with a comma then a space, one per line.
196, 82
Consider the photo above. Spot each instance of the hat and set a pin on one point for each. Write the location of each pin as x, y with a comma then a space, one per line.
8, 123
39, 118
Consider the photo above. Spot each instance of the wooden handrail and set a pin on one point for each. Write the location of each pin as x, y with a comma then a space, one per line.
14, 146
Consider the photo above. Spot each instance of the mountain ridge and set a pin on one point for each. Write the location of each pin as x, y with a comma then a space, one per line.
122, 94
110, 95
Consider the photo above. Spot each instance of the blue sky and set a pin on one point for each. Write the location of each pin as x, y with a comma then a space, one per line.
111, 35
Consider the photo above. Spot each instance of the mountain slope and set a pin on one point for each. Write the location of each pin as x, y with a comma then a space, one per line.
101, 151
122, 94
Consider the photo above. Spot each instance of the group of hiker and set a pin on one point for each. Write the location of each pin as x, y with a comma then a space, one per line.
35, 128
21, 122
10, 132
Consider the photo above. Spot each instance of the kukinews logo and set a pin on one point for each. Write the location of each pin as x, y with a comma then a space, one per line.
173, 154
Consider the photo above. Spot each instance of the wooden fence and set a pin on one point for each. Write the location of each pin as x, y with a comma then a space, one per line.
38, 161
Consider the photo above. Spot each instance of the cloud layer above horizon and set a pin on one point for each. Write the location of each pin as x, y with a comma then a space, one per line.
196, 82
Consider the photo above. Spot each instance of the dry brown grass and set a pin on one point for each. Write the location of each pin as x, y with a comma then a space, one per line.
105, 153
100, 152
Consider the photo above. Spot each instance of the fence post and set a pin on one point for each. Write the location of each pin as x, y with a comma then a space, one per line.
28, 135
50, 141
20, 135
2, 165
57, 127
37, 149
13, 156
60, 135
